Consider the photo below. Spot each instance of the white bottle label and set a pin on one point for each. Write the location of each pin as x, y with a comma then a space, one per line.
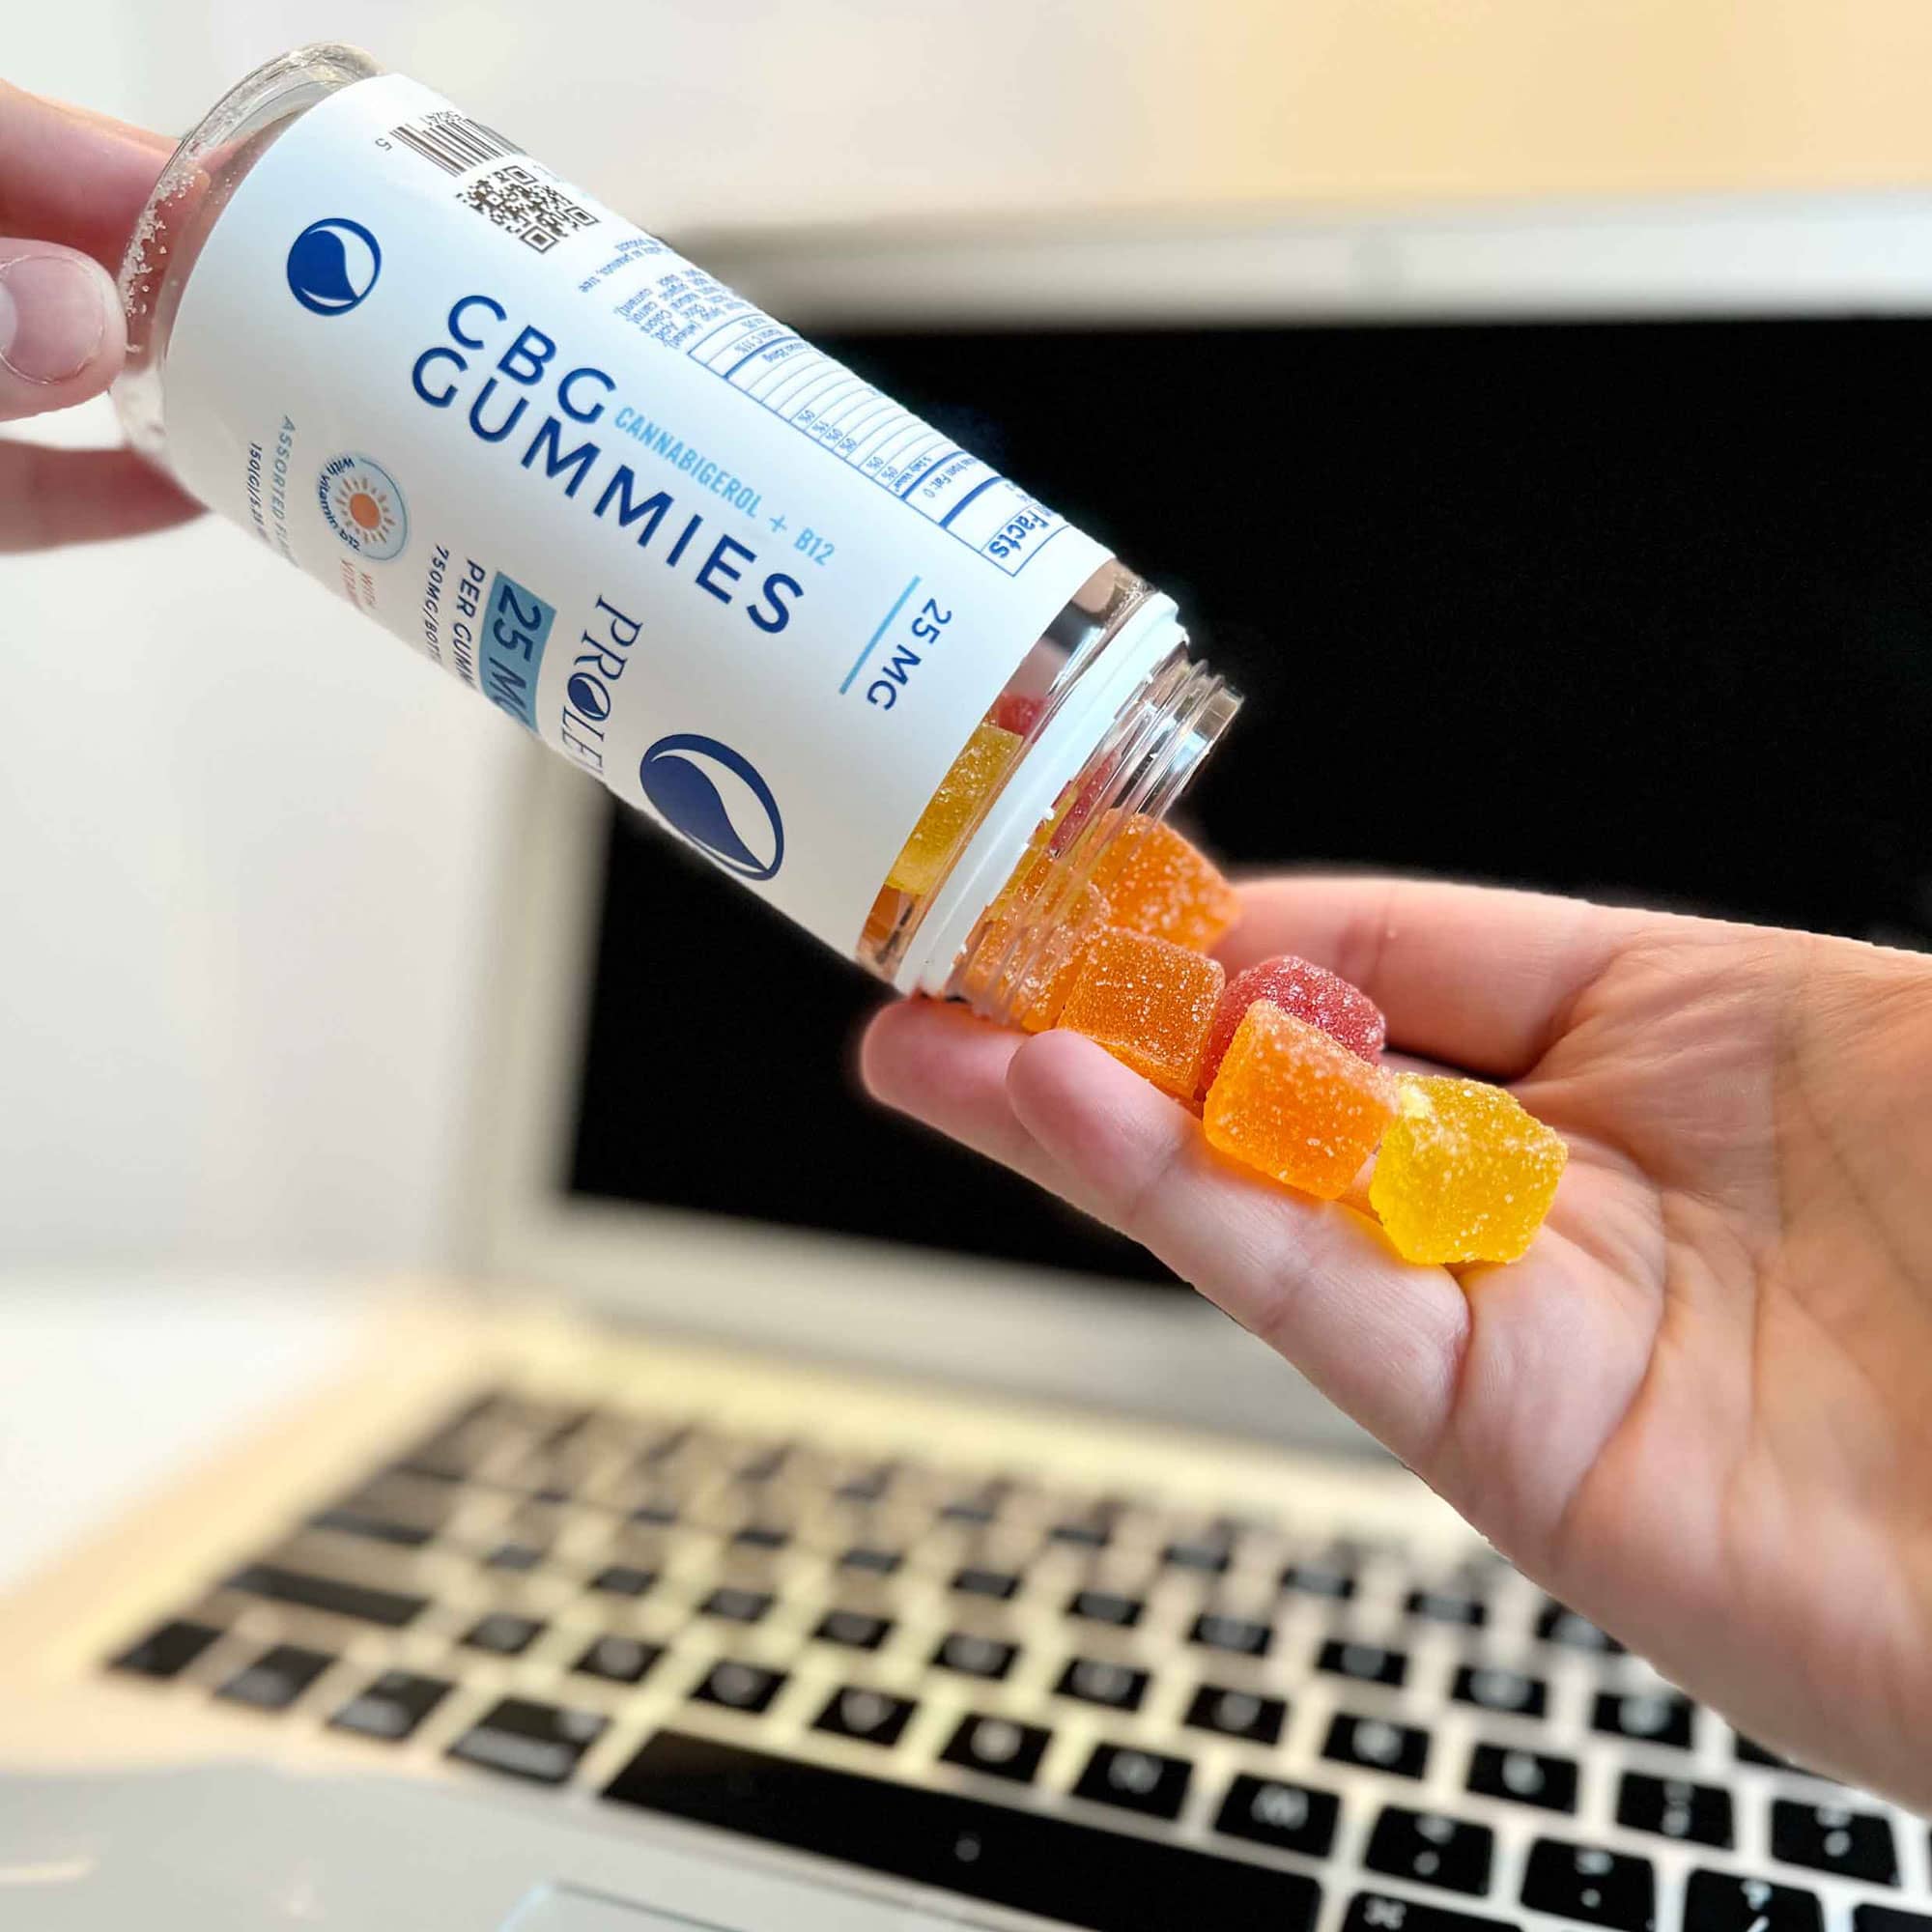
701, 559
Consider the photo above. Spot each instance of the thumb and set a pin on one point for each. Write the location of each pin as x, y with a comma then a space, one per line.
62, 336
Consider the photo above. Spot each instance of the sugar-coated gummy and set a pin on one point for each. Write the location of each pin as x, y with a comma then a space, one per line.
1296, 1104
1158, 884
1310, 993
1149, 1003
974, 773
1016, 713
1036, 992
1465, 1173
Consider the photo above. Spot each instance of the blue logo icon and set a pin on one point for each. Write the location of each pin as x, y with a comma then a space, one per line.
363, 505
718, 800
332, 266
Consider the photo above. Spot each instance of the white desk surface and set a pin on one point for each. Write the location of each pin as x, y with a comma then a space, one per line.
111, 1383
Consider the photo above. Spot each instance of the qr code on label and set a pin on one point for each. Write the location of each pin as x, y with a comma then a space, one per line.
517, 199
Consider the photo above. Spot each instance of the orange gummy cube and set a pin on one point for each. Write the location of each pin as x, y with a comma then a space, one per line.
1465, 1173
1158, 883
951, 808
1149, 1003
1035, 988
1294, 1103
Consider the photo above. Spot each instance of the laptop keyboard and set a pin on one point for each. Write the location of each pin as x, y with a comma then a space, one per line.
1089, 1708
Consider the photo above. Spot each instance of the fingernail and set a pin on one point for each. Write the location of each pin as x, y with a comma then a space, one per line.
53, 315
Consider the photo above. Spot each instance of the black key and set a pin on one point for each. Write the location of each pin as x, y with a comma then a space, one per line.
503, 1633
667, 1447
1444, 1606
392, 1706
871, 1717
1596, 1887
1094, 1680
975, 1656
736, 1605
660, 1512
1290, 1817
347, 1520
1650, 1716
979, 1507
856, 1630
1724, 1902
1560, 1625
1319, 1580
1081, 1534
1376, 1745
1431, 1849
1107, 1881
1826, 1838
1508, 1692
277, 1677
740, 1686
392, 1608
540, 1742
764, 1465
1236, 1713
622, 1579
167, 1650
874, 1561
1379, 1911
865, 1486
974, 1581
1240, 1635
1211, 1555
1135, 1780
1887, 1919
1365, 1663
1524, 1777
998, 1747
618, 1660
762, 1536
1105, 1606
515, 1556
1675, 1808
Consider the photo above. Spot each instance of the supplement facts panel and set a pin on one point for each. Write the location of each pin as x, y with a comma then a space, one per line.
822, 399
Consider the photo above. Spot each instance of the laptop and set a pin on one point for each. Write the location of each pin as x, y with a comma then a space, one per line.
788, 1522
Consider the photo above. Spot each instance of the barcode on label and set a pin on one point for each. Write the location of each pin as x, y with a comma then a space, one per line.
453, 141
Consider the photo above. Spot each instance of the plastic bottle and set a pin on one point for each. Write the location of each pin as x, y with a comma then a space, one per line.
759, 599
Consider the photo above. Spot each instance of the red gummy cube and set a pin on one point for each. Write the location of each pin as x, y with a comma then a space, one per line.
1312, 994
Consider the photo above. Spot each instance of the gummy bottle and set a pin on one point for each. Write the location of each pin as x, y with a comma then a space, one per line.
873, 680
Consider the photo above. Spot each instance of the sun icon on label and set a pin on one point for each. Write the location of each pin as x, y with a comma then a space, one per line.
363, 505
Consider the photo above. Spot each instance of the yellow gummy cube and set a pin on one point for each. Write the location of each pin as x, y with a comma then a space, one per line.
952, 807
1294, 1103
1464, 1174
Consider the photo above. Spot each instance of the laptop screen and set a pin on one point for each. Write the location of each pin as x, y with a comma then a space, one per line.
1635, 609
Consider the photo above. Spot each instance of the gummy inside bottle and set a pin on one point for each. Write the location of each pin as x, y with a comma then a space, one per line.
1022, 952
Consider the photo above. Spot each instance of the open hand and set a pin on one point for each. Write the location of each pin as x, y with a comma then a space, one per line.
1700, 1408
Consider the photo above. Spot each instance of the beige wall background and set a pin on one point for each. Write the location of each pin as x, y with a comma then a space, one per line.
247, 841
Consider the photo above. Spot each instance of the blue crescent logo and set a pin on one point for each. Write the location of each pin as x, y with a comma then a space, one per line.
717, 798
333, 265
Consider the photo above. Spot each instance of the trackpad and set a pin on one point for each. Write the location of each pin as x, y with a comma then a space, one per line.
558, 1908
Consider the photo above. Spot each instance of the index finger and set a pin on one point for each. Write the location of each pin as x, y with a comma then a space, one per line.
72, 176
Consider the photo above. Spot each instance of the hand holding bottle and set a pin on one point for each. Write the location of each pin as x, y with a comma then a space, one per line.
70, 186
